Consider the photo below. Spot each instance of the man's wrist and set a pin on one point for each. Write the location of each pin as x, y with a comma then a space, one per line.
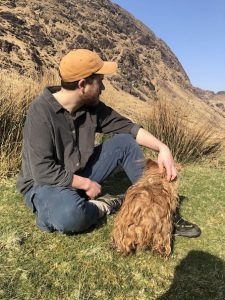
163, 146
81, 183
87, 184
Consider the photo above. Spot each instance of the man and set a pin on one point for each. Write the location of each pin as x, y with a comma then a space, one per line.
62, 170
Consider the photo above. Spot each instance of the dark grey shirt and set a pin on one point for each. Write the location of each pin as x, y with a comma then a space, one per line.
57, 144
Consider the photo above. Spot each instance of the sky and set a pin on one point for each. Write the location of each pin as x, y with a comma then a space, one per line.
195, 32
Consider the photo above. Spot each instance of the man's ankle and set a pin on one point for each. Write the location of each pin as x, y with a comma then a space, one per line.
108, 204
103, 208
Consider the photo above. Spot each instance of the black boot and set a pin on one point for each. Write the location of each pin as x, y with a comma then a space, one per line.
184, 228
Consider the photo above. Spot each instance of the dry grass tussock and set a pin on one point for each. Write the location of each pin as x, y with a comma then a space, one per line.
188, 141
16, 92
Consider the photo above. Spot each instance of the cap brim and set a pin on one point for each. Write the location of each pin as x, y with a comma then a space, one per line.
109, 67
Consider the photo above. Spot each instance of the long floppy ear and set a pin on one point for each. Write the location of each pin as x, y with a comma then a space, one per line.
150, 164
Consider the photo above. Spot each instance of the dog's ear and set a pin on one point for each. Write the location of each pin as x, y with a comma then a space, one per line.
149, 164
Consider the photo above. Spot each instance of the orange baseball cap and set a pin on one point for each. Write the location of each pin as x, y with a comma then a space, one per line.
81, 63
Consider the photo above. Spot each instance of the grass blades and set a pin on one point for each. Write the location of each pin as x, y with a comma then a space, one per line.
188, 142
39, 265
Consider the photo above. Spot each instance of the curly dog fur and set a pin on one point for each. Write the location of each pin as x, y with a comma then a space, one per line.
145, 218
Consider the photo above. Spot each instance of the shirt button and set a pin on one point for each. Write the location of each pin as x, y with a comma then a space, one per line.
77, 164
73, 131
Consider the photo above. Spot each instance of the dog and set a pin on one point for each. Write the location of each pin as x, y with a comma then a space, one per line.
144, 221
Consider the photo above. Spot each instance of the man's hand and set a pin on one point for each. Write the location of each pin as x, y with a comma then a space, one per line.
165, 160
93, 190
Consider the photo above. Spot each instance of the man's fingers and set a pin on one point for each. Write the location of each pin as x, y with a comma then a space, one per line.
169, 174
161, 167
94, 190
174, 176
173, 173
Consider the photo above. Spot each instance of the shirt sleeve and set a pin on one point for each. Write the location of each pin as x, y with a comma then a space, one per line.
39, 150
109, 120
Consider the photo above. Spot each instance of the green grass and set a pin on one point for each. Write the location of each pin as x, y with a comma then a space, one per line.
39, 265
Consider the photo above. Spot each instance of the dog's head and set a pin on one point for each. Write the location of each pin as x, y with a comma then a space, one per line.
152, 169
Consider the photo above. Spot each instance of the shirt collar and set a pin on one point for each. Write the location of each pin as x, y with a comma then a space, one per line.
48, 91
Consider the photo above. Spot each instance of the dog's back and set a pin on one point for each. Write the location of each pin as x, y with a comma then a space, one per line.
145, 218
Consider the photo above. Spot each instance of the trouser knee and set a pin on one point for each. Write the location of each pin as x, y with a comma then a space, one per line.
72, 223
61, 209
77, 219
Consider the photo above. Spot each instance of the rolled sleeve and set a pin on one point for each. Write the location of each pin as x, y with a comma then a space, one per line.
135, 129
110, 121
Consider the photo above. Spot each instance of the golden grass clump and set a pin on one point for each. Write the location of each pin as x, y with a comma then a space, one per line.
189, 142
16, 92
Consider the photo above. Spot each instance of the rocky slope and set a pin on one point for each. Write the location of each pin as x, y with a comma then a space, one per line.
215, 100
35, 34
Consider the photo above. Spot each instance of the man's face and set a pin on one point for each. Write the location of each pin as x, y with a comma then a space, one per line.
93, 90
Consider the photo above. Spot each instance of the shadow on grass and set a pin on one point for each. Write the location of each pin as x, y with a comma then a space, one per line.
200, 275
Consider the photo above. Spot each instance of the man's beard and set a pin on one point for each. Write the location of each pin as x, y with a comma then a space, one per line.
92, 101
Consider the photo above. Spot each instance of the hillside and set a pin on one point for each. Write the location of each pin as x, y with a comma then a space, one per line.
34, 35
215, 100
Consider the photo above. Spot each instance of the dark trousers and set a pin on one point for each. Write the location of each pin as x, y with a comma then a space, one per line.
67, 209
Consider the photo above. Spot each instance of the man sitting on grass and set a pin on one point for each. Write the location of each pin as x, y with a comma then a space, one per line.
62, 169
